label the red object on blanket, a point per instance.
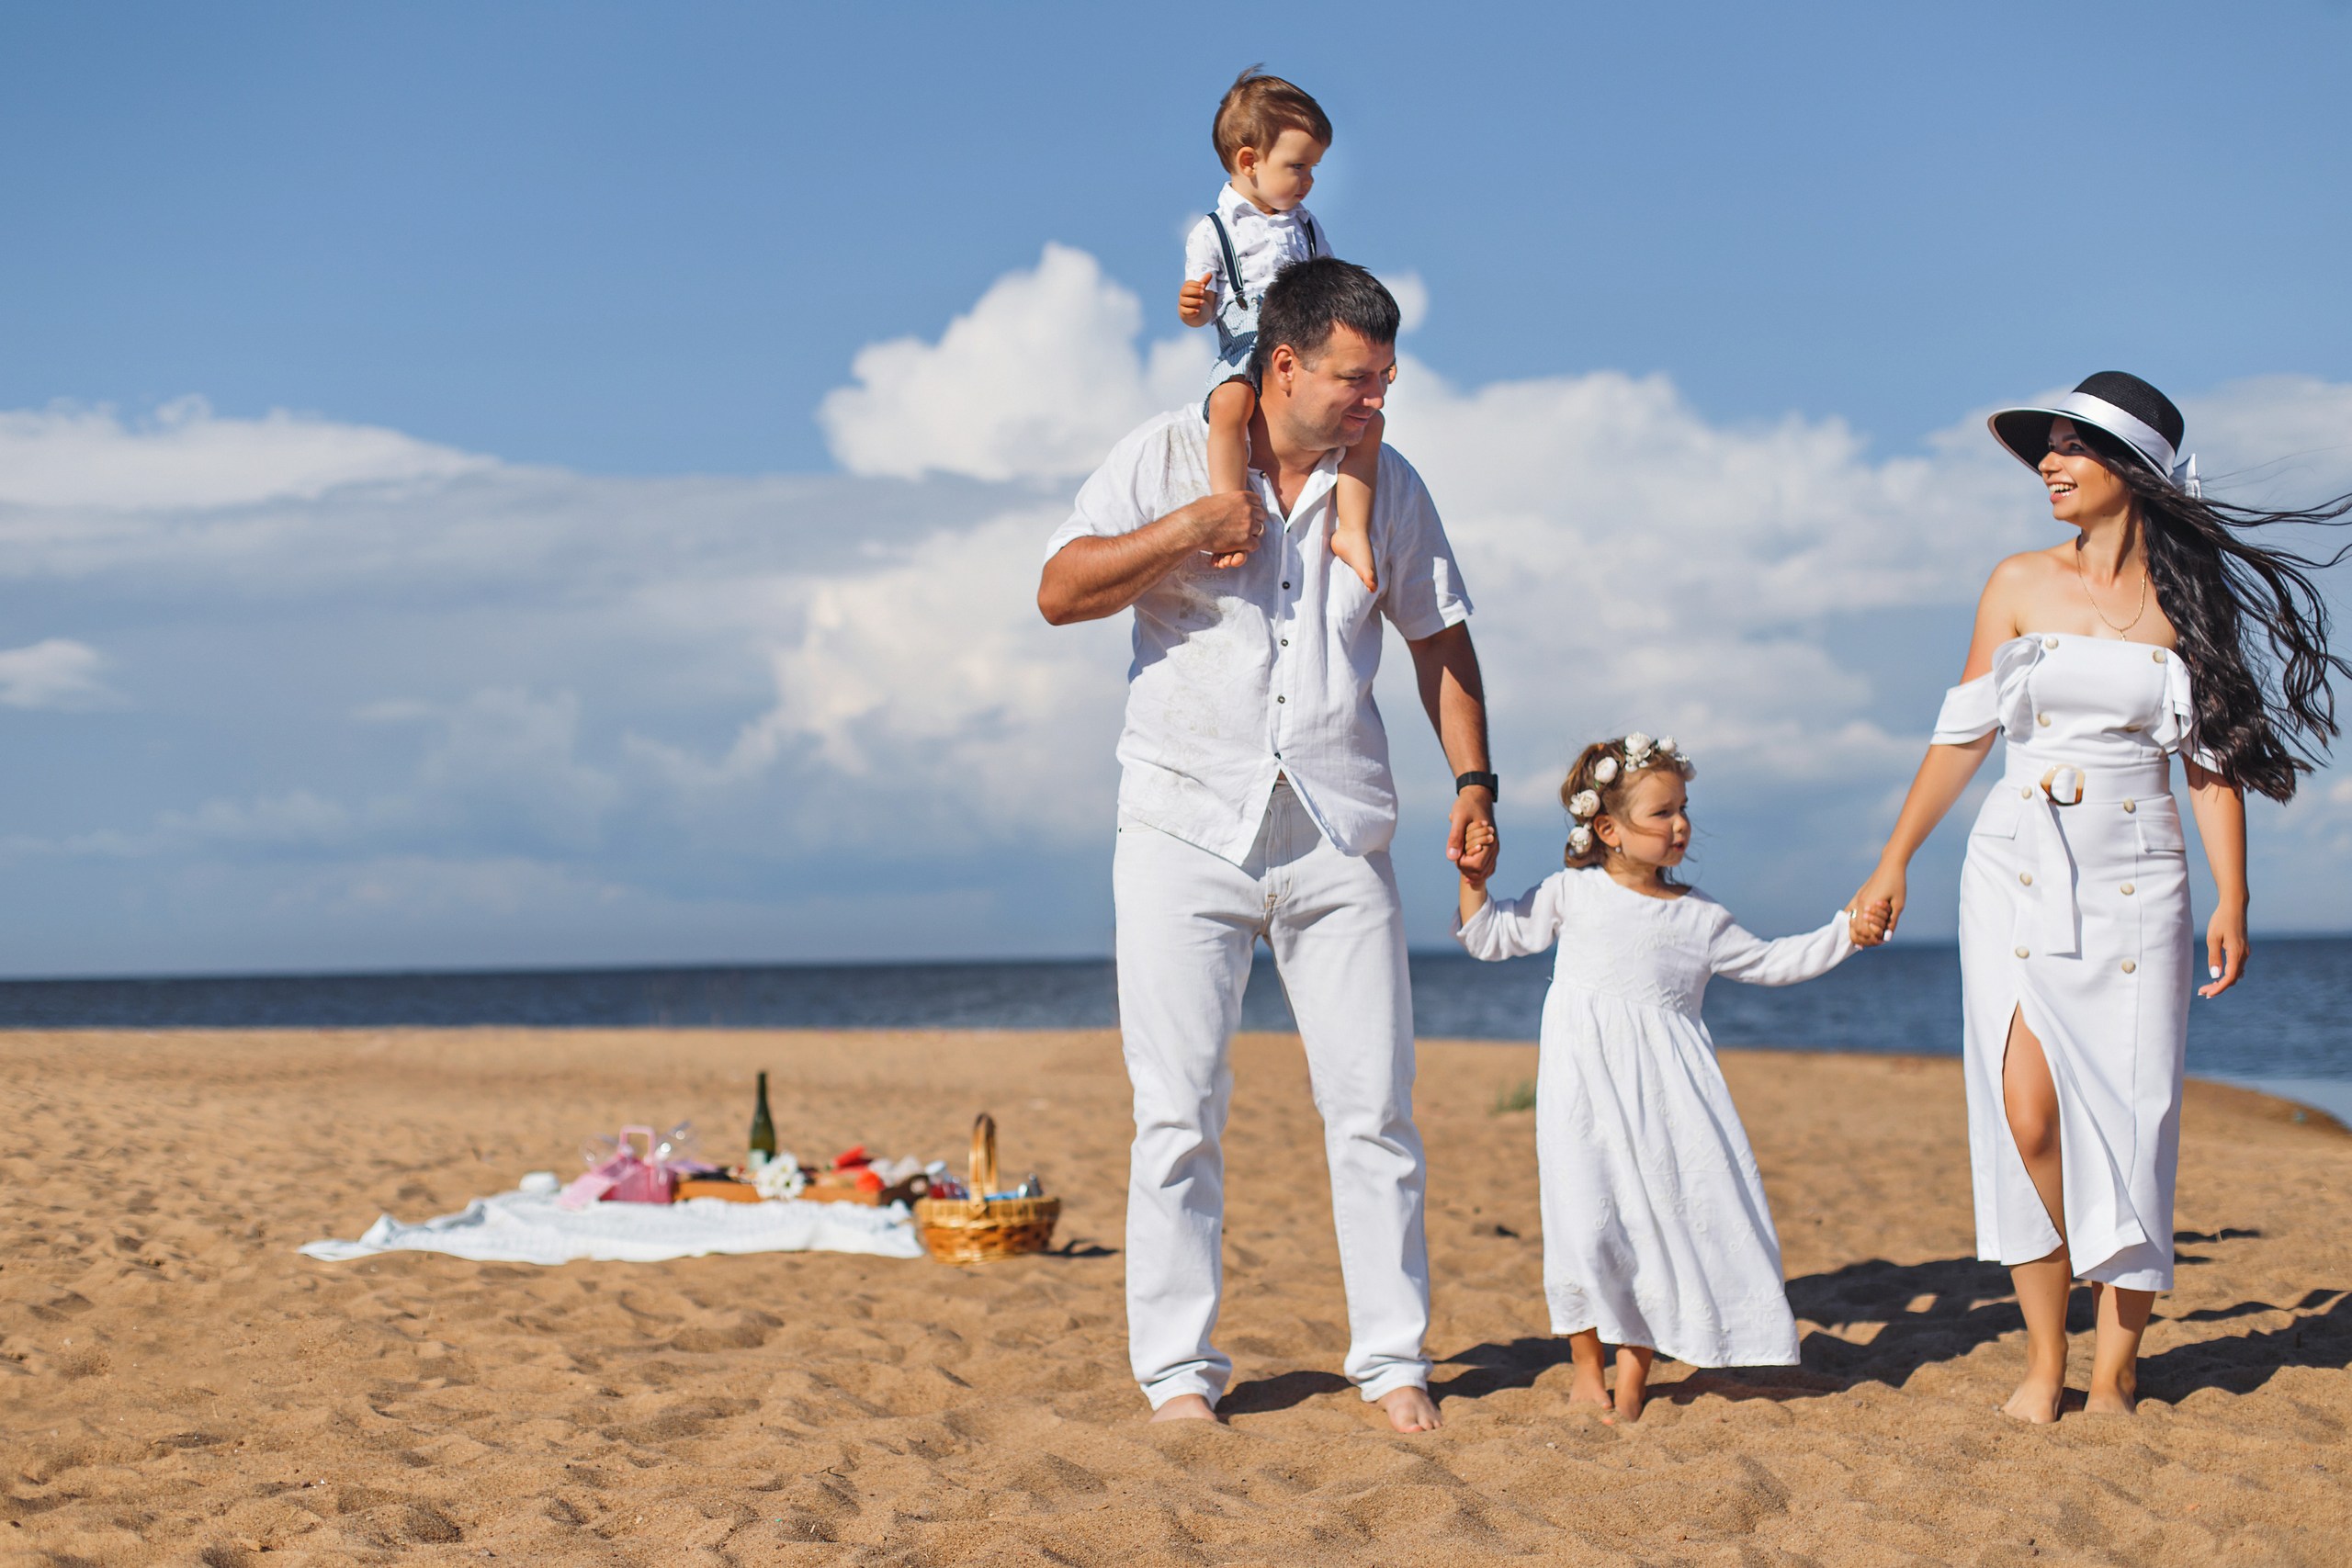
(852, 1158)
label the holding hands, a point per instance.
(1877, 905)
(1871, 922)
(1474, 856)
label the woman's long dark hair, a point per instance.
(2266, 715)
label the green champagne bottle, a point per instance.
(763, 1141)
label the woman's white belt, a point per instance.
(2049, 918)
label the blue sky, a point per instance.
(646, 238)
(505, 598)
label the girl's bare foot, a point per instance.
(1410, 1410)
(1589, 1383)
(2118, 1395)
(1633, 1379)
(2036, 1402)
(1187, 1407)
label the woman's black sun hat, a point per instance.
(2125, 406)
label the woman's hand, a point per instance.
(1866, 923)
(2225, 949)
(1883, 893)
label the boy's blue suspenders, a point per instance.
(1315, 246)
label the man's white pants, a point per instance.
(1187, 924)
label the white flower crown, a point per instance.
(1640, 751)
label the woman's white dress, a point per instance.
(1656, 1230)
(2076, 914)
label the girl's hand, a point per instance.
(2225, 949)
(1878, 902)
(1194, 303)
(1477, 862)
(1868, 923)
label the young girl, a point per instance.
(1655, 1233)
(1269, 135)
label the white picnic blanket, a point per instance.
(522, 1227)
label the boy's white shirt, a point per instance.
(1263, 244)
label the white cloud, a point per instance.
(188, 457)
(54, 674)
(1412, 297)
(521, 691)
(1036, 380)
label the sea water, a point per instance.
(2287, 1021)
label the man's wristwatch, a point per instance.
(1485, 781)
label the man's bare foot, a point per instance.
(1410, 1410)
(2036, 1402)
(1187, 1407)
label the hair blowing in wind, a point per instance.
(2266, 713)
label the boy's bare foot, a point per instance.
(2036, 1402)
(1187, 1407)
(1410, 1410)
(1355, 547)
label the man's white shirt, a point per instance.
(1265, 668)
(1263, 244)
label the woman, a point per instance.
(2096, 660)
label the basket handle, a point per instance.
(984, 1156)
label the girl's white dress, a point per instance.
(1656, 1230)
(2074, 911)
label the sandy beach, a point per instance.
(179, 1386)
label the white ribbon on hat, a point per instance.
(2144, 438)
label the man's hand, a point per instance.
(1471, 841)
(1194, 302)
(1230, 525)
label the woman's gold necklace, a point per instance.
(2086, 581)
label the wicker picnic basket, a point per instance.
(980, 1229)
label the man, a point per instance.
(1255, 802)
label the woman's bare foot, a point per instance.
(1410, 1410)
(1633, 1379)
(1187, 1407)
(2036, 1402)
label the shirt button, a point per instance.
(2128, 890)
(1285, 642)
(2042, 719)
(1285, 585)
(2049, 642)
(2129, 966)
(2023, 954)
(2129, 806)
(1281, 699)
(2026, 878)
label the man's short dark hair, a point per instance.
(1307, 298)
